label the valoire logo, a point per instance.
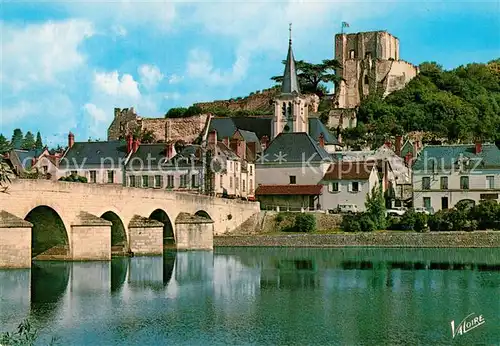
(467, 324)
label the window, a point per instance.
(111, 177)
(490, 182)
(221, 181)
(444, 183)
(293, 179)
(250, 185)
(93, 176)
(243, 186)
(145, 181)
(230, 182)
(427, 202)
(333, 187)
(131, 181)
(230, 165)
(355, 186)
(170, 181)
(45, 169)
(426, 183)
(251, 169)
(74, 173)
(194, 180)
(183, 180)
(158, 181)
(444, 202)
(464, 183)
(237, 182)
(367, 80)
(351, 54)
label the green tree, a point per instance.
(38, 143)
(5, 175)
(17, 139)
(375, 207)
(177, 112)
(4, 145)
(193, 110)
(305, 222)
(28, 141)
(312, 76)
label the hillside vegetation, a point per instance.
(462, 104)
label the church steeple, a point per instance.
(290, 81)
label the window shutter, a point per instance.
(349, 187)
(151, 181)
(330, 187)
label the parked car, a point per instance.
(422, 210)
(396, 211)
(347, 208)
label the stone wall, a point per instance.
(91, 242)
(15, 247)
(194, 233)
(262, 101)
(186, 129)
(146, 236)
(156, 126)
(478, 239)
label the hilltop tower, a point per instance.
(291, 106)
(370, 63)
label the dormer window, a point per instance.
(351, 54)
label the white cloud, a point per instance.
(112, 84)
(200, 66)
(172, 96)
(150, 75)
(41, 53)
(97, 114)
(174, 79)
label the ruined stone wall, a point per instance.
(394, 75)
(155, 125)
(262, 101)
(125, 120)
(186, 129)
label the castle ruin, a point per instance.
(370, 63)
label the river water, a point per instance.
(260, 296)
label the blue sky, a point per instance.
(67, 64)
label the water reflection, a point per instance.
(259, 296)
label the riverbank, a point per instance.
(477, 239)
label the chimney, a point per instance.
(212, 137)
(479, 147)
(252, 148)
(388, 144)
(264, 141)
(409, 159)
(130, 142)
(71, 140)
(169, 153)
(399, 144)
(321, 140)
(241, 149)
(136, 144)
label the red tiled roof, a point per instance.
(288, 190)
(349, 170)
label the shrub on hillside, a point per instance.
(305, 222)
(412, 221)
(362, 222)
(74, 178)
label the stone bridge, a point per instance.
(77, 221)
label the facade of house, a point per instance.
(348, 183)
(288, 170)
(212, 169)
(99, 162)
(444, 175)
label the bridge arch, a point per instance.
(49, 235)
(118, 231)
(168, 228)
(204, 214)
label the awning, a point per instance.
(310, 190)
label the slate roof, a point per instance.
(26, 156)
(154, 153)
(316, 127)
(249, 136)
(225, 127)
(91, 154)
(313, 190)
(353, 170)
(294, 147)
(447, 157)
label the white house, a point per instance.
(348, 182)
(99, 162)
(446, 174)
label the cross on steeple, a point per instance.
(290, 81)
(290, 32)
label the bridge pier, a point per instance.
(90, 238)
(15, 241)
(194, 232)
(145, 236)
